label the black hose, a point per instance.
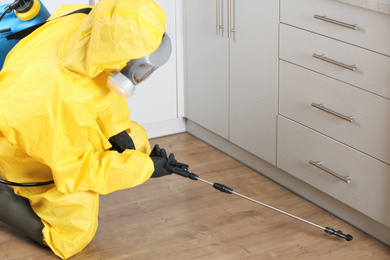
(36, 184)
(2, 15)
(9, 8)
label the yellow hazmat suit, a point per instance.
(57, 114)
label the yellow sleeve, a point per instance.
(79, 164)
(103, 172)
(59, 134)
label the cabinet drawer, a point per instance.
(369, 187)
(301, 90)
(372, 69)
(372, 28)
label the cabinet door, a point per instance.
(253, 76)
(207, 65)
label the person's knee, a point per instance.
(66, 244)
(70, 220)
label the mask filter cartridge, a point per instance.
(120, 84)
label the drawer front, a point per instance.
(372, 69)
(372, 28)
(301, 91)
(369, 187)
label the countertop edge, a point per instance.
(381, 6)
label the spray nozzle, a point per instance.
(338, 233)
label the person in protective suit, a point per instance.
(59, 120)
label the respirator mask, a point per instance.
(136, 71)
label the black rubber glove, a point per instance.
(121, 142)
(164, 165)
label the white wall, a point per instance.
(155, 99)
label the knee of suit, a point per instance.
(70, 220)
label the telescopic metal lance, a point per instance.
(185, 173)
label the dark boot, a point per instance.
(16, 211)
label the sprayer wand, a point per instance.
(183, 171)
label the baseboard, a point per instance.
(164, 128)
(302, 189)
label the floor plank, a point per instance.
(177, 218)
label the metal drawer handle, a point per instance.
(217, 15)
(322, 57)
(323, 108)
(329, 20)
(219, 26)
(230, 14)
(346, 179)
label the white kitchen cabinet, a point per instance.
(363, 68)
(358, 27)
(207, 67)
(359, 180)
(334, 90)
(232, 76)
(253, 77)
(351, 115)
(335, 154)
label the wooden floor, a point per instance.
(177, 218)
